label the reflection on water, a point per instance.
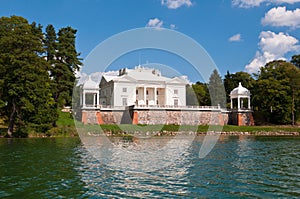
(237, 167)
(137, 154)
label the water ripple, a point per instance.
(238, 167)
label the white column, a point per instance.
(80, 94)
(94, 99)
(97, 99)
(155, 95)
(249, 107)
(145, 88)
(166, 94)
(239, 103)
(242, 103)
(83, 99)
(231, 103)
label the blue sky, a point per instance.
(239, 35)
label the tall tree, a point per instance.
(24, 74)
(217, 90)
(50, 43)
(275, 91)
(65, 62)
(293, 74)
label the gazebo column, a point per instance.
(155, 96)
(242, 103)
(231, 103)
(145, 93)
(249, 107)
(239, 103)
(83, 99)
(97, 99)
(80, 97)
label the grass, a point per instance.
(65, 119)
(130, 128)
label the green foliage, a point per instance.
(63, 57)
(275, 90)
(197, 95)
(27, 93)
(296, 60)
(24, 74)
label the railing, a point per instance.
(109, 107)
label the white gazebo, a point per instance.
(91, 88)
(240, 93)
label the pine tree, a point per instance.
(216, 90)
(65, 62)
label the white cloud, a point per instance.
(235, 38)
(255, 3)
(272, 46)
(172, 26)
(282, 17)
(174, 4)
(155, 23)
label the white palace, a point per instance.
(129, 96)
(139, 86)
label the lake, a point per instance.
(237, 167)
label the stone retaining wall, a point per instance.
(181, 117)
(154, 117)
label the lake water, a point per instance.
(237, 167)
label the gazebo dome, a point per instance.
(90, 84)
(239, 91)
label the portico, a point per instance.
(150, 95)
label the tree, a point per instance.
(216, 90)
(296, 60)
(275, 90)
(293, 74)
(50, 43)
(25, 82)
(64, 61)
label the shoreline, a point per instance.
(160, 134)
(113, 130)
(171, 134)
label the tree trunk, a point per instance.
(11, 120)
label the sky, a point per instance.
(239, 35)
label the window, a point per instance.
(124, 90)
(146, 92)
(175, 102)
(137, 92)
(175, 91)
(156, 92)
(124, 100)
